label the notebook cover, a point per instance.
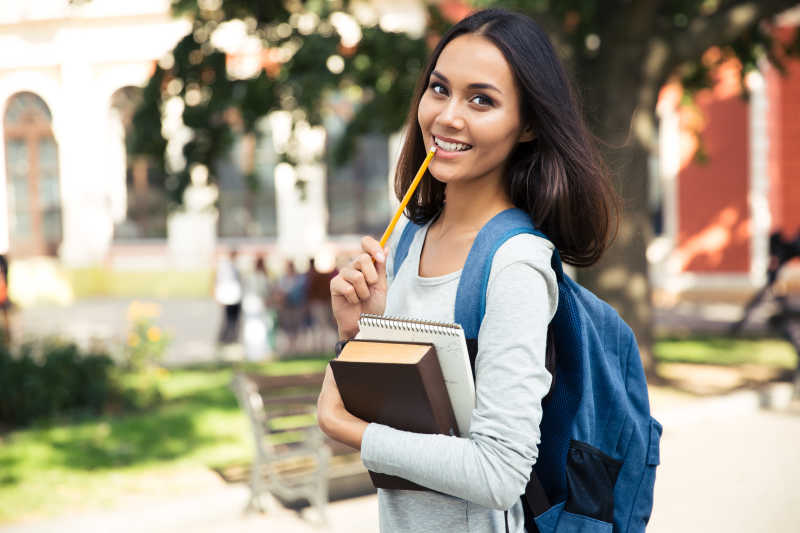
(409, 397)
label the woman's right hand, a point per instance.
(360, 287)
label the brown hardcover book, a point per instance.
(397, 384)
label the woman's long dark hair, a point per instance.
(559, 177)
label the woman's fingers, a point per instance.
(369, 268)
(364, 263)
(378, 254)
(342, 287)
(356, 279)
(373, 248)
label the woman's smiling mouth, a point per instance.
(451, 146)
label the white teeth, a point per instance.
(451, 147)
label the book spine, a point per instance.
(386, 481)
(430, 372)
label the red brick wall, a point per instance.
(787, 187)
(775, 147)
(713, 214)
(784, 141)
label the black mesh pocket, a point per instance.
(591, 476)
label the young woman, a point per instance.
(495, 101)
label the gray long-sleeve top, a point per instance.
(479, 476)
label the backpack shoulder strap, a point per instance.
(406, 238)
(471, 306)
(471, 295)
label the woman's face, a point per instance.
(471, 111)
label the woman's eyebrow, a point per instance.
(470, 86)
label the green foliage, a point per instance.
(387, 89)
(51, 379)
(54, 379)
(147, 118)
(383, 67)
(601, 41)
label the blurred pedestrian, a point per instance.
(228, 293)
(323, 326)
(293, 309)
(257, 322)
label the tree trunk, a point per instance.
(621, 276)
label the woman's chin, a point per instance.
(445, 175)
(444, 178)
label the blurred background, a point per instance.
(179, 180)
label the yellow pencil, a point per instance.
(407, 197)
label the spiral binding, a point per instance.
(408, 324)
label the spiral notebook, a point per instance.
(451, 351)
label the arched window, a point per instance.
(34, 195)
(146, 197)
(246, 179)
(358, 191)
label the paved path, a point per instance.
(729, 472)
(193, 324)
(218, 510)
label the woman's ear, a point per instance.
(527, 134)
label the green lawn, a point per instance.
(726, 351)
(48, 470)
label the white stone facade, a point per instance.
(74, 57)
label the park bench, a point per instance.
(293, 459)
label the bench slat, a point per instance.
(264, 382)
(310, 399)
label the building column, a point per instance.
(758, 200)
(660, 253)
(87, 217)
(301, 214)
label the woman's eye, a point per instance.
(438, 88)
(483, 100)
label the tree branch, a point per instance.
(722, 27)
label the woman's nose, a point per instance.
(451, 116)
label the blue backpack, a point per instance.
(599, 445)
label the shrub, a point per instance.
(54, 378)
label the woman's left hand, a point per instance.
(334, 419)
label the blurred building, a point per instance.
(68, 188)
(69, 73)
(727, 176)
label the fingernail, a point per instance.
(380, 257)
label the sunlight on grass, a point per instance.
(96, 281)
(726, 351)
(47, 470)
